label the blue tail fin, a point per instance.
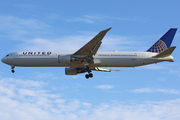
(164, 42)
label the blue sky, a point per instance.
(148, 92)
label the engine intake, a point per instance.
(71, 71)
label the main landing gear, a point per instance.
(89, 75)
(12, 67)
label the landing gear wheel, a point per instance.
(12, 71)
(87, 76)
(90, 75)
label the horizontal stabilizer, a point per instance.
(165, 53)
(170, 60)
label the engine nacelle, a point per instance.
(66, 59)
(71, 71)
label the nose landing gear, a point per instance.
(12, 67)
(12, 71)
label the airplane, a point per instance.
(88, 59)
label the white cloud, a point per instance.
(135, 19)
(65, 43)
(104, 87)
(62, 44)
(20, 28)
(114, 42)
(29, 32)
(142, 90)
(11, 23)
(92, 19)
(10, 82)
(8, 91)
(152, 90)
(46, 76)
(34, 102)
(98, 18)
(165, 110)
(87, 104)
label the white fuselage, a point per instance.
(101, 59)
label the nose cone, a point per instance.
(3, 60)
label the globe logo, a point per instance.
(158, 47)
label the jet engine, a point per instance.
(66, 59)
(71, 71)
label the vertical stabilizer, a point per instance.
(164, 42)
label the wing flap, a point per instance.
(103, 69)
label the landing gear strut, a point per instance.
(12, 67)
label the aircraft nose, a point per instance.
(3, 60)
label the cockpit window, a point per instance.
(7, 55)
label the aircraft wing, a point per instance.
(92, 46)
